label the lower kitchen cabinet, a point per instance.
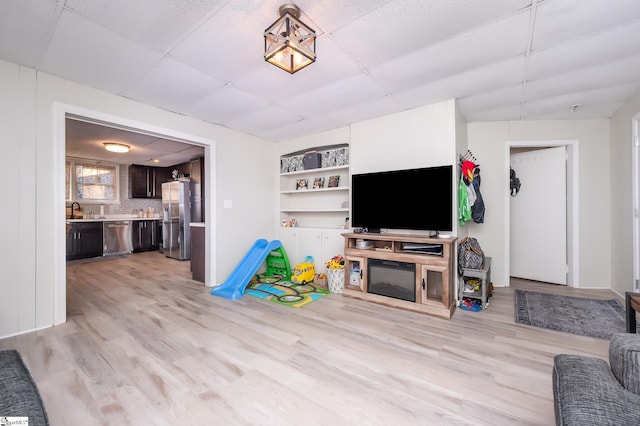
(145, 235)
(84, 239)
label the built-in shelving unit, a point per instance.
(321, 206)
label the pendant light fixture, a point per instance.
(289, 43)
(116, 147)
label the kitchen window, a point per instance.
(91, 181)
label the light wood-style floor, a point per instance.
(146, 345)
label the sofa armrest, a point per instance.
(624, 357)
(587, 393)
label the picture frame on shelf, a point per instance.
(302, 184)
(334, 181)
(318, 183)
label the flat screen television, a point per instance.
(413, 199)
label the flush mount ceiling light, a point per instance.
(289, 43)
(116, 147)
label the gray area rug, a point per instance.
(586, 317)
(19, 395)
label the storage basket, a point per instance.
(336, 280)
(321, 280)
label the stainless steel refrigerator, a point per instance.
(176, 210)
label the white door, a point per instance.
(538, 245)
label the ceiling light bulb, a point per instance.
(116, 147)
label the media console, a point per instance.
(403, 271)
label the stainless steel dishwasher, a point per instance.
(117, 237)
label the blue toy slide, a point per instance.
(235, 284)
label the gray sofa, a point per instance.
(590, 391)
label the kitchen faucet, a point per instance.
(72, 214)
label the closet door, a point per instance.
(539, 216)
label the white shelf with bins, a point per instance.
(315, 208)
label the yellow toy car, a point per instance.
(304, 272)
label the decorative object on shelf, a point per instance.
(175, 174)
(312, 160)
(285, 163)
(301, 184)
(318, 183)
(334, 181)
(342, 156)
(289, 43)
(296, 163)
(291, 223)
(329, 158)
(336, 262)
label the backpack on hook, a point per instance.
(514, 184)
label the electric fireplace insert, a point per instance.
(392, 279)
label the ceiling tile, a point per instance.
(504, 74)
(488, 101)
(263, 119)
(343, 93)
(86, 53)
(600, 48)
(403, 26)
(229, 43)
(505, 113)
(155, 23)
(463, 52)
(25, 28)
(558, 21)
(224, 105)
(585, 79)
(172, 85)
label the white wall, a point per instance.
(621, 196)
(488, 142)
(28, 136)
(420, 137)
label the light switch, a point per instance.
(228, 204)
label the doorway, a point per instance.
(572, 219)
(64, 111)
(636, 202)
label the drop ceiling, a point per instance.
(501, 59)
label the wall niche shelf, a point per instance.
(311, 206)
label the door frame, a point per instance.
(635, 171)
(573, 225)
(61, 111)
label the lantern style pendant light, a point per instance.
(289, 43)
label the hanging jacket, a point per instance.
(464, 209)
(477, 210)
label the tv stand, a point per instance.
(434, 267)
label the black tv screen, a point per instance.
(413, 199)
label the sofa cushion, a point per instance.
(624, 357)
(586, 393)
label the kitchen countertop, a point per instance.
(197, 224)
(114, 217)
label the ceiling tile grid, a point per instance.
(502, 59)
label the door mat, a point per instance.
(278, 290)
(586, 317)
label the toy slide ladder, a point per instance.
(236, 283)
(278, 264)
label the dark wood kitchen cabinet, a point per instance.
(84, 239)
(146, 181)
(145, 235)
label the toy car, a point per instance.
(304, 272)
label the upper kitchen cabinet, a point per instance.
(194, 170)
(146, 181)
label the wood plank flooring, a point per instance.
(146, 345)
